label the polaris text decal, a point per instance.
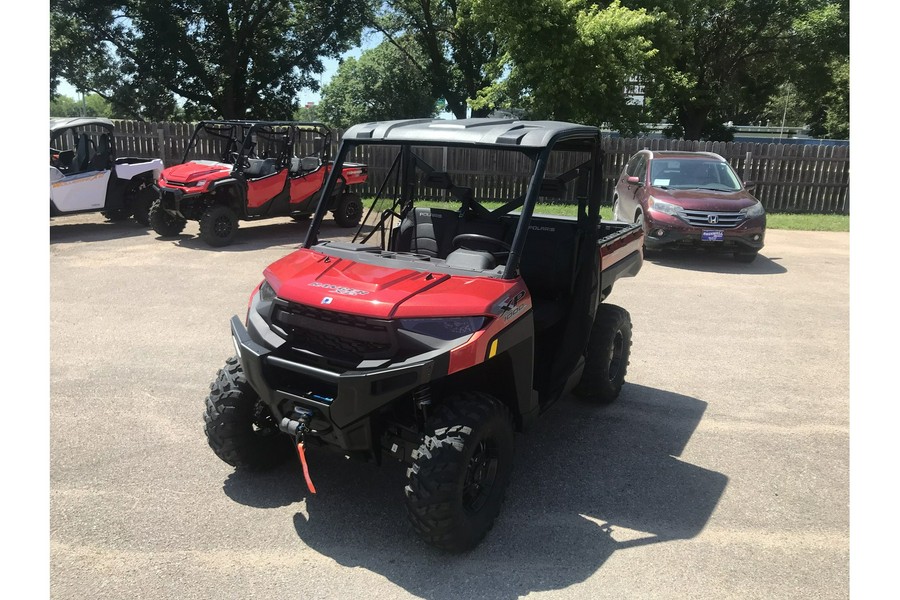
(344, 291)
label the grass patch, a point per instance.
(797, 222)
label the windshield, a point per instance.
(693, 173)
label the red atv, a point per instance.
(259, 175)
(442, 331)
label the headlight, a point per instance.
(449, 328)
(266, 292)
(663, 207)
(756, 210)
(200, 183)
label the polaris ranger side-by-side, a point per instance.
(87, 176)
(439, 332)
(259, 175)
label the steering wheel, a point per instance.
(477, 237)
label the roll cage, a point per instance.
(410, 173)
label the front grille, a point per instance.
(178, 183)
(333, 334)
(708, 220)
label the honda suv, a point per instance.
(691, 199)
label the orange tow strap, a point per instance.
(309, 483)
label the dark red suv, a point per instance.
(690, 199)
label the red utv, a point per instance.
(261, 173)
(434, 336)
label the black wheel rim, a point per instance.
(481, 475)
(222, 227)
(351, 210)
(615, 360)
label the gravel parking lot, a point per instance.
(721, 472)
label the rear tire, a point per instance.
(608, 354)
(218, 225)
(141, 199)
(348, 210)
(163, 223)
(460, 472)
(239, 427)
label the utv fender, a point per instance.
(131, 170)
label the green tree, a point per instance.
(727, 60)
(383, 84)
(568, 59)
(443, 39)
(93, 105)
(247, 58)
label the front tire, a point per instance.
(460, 472)
(608, 355)
(218, 225)
(239, 427)
(163, 223)
(348, 211)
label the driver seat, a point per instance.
(428, 231)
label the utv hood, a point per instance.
(197, 170)
(386, 292)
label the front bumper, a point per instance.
(663, 230)
(342, 403)
(177, 202)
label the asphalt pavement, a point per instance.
(721, 471)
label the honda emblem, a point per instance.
(327, 300)
(713, 219)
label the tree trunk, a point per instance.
(693, 119)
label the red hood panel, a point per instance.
(342, 285)
(193, 171)
(706, 199)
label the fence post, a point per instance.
(745, 175)
(162, 144)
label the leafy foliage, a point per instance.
(240, 59)
(568, 59)
(92, 105)
(446, 42)
(383, 84)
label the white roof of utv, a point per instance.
(66, 122)
(495, 132)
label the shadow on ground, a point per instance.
(714, 262)
(62, 233)
(588, 481)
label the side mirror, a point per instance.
(633, 180)
(749, 185)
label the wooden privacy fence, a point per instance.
(794, 178)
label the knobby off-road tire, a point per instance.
(163, 223)
(608, 353)
(348, 210)
(218, 225)
(141, 198)
(460, 472)
(239, 427)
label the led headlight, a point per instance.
(266, 292)
(449, 328)
(756, 210)
(663, 207)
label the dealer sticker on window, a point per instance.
(712, 235)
